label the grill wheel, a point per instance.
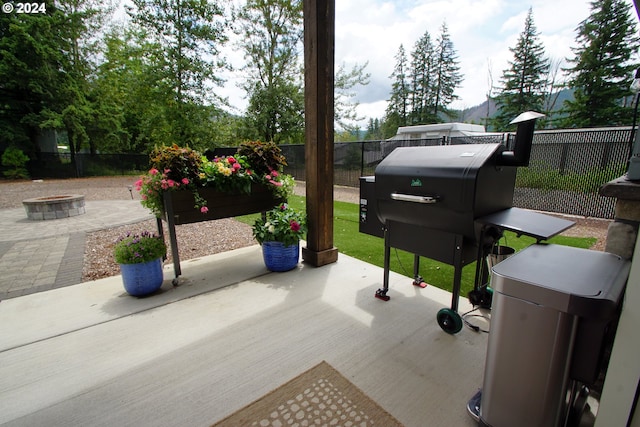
(449, 320)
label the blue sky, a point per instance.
(482, 32)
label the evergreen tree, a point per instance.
(189, 34)
(525, 82)
(345, 81)
(398, 108)
(271, 39)
(447, 74)
(46, 70)
(602, 69)
(422, 81)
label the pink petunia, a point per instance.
(154, 171)
(236, 166)
(274, 173)
(231, 160)
(185, 181)
(267, 177)
(295, 225)
(204, 209)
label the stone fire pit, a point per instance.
(54, 207)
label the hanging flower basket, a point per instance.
(278, 257)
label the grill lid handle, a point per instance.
(414, 199)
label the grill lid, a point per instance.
(443, 187)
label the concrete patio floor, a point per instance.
(188, 356)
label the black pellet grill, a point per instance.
(452, 204)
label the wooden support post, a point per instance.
(319, 40)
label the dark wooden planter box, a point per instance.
(179, 208)
(220, 204)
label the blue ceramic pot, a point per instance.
(143, 278)
(278, 257)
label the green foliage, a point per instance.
(422, 88)
(271, 35)
(345, 80)
(524, 82)
(603, 66)
(139, 248)
(281, 224)
(15, 161)
(547, 178)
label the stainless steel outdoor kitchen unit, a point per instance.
(553, 317)
(452, 204)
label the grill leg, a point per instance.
(457, 273)
(382, 293)
(417, 278)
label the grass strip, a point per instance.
(349, 241)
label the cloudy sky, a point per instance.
(482, 32)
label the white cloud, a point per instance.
(482, 32)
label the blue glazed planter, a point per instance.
(278, 257)
(142, 279)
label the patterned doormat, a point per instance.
(320, 396)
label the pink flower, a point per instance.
(236, 166)
(185, 181)
(295, 226)
(171, 183)
(154, 171)
(268, 177)
(274, 173)
(167, 171)
(204, 209)
(138, 184)
(276, 183)
(231, 160)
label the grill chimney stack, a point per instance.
(524, 137)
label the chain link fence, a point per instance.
(566, 170)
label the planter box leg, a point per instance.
(168, 208)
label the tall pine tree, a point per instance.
(602, 68)
(190, 34)
(525, 81)
(447, 74)
(398, 108)
(422, 81)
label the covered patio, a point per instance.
(91, 355)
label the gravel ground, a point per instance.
(195, 240)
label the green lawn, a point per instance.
(367, 248)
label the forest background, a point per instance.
(67, 68)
